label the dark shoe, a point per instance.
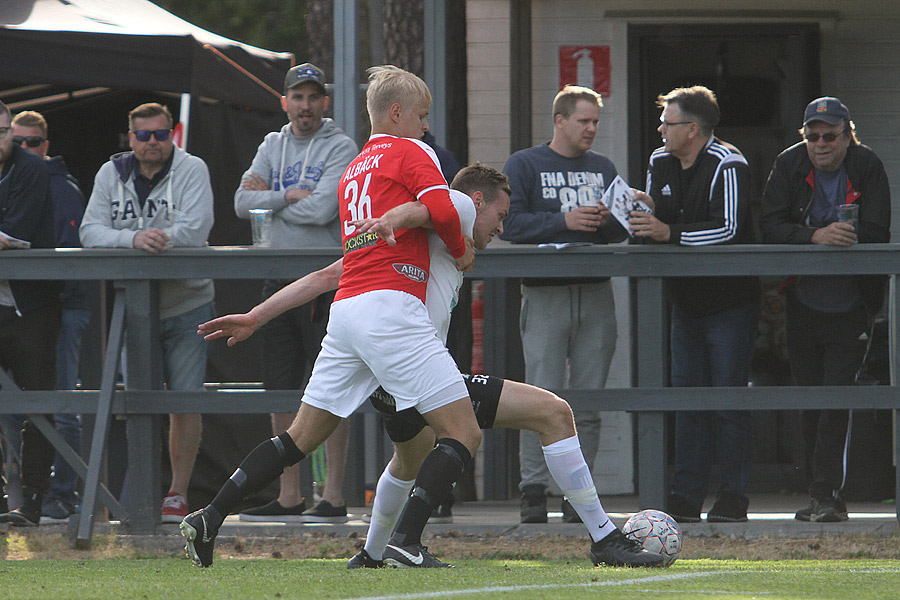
(325, 512)
(200, 537)
(681, 510)
(57, 510)
(569, 513)
(804, 514)
(21, 517)
(413, 556)
(444, 512)
(729, 508)
(273, 512)
(534, 504)
(616, 550)
(824, 510)
(362, 560)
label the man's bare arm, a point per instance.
(238, 328)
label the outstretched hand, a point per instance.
(236, 328)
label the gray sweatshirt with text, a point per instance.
(316, 163)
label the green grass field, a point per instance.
(169, 578)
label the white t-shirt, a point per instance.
(444, 279)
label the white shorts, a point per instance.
(382, 337)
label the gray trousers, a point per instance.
(568, 337)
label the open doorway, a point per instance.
(763, 76)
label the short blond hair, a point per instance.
(31, 118)
(389, 84)
(565, 101)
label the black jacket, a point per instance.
(788, 196)
(714, 209)
(26, 213)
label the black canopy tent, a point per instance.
(133, 44)
(84, 64)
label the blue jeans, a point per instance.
(184, 352)
(713, 350)
(68, 348)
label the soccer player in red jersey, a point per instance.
(379, 331)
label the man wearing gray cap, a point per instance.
(828, 317)
(295, 174)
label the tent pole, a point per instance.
(184, 117)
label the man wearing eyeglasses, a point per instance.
(828, 317)
(700, 189)
(153, 198)
(29, 130)
(29, 310)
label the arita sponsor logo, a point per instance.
(411, 271)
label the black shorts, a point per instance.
(484, 391)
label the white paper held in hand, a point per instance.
(619, 199)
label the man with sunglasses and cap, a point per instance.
(153, 198)
(828, 317)
(295, 174)
(29, 130)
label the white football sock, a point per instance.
(571, 473)
(390, 498)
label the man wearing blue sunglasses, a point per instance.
(153, 198)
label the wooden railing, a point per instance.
(136, 304)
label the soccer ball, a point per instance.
(655, 531)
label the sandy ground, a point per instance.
(45, 543)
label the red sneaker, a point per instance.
(174, 508)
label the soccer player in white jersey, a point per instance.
(496, 402)
(379, 331)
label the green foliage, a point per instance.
(492, 579)
(271, 24)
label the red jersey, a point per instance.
(390, 171)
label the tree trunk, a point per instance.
(404, 34)
(320, 33)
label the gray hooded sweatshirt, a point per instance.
(181, 204)
(314, 163)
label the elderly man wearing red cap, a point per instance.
(828, 317)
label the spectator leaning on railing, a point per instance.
(153, 198)
(29, 310)
(828, 317)
(700, 186)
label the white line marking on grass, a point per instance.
(519, 588)
(708, 592)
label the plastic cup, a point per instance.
(261, 225)
(848, 213)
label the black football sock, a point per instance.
(436, 478)
(262, 466)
